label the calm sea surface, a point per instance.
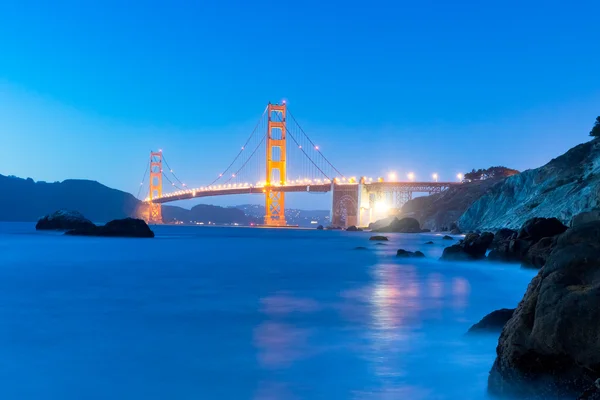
(243, 313)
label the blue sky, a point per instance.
(430, 86)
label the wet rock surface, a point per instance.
(404, 225)
(409, 254)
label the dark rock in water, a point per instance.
(446, 237)
(360, 248)
(472, 247)
(493, 322)
(585, 217)
(409, 254)
(404, 225)
(591, 393)
(64, 220)
(430, 242)
(128, 227)
(550, 348)
(380, 244)
(353, 228)
(538, 228)
(320, 228)
(379, 238)
(425, 230)
(455, 253)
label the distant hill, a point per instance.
(25, 200)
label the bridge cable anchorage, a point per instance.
(242, 149)
(303, 151)
(143, 180)
(314, 146)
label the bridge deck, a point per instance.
(426, 187)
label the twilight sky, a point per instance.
(88, 88)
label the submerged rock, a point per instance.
(320, 228)
(128, 227)
(430, 242)
(550, 348)
(360, 248)
(404, 225)
(446, 237)
(409, 254)
(493, 322)
(379, 238)
(64, 220)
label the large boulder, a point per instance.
(493, 322)
(63, 220)
(128, 227)
(537, 255)
(379, 238)
(353, 228)
(404, 225)
(550, 348)
(472, 247)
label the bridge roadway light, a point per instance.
(435, 177)
(460, 177)
(392, 176)
(411, 176)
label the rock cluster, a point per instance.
(531, 245)
(409, 254)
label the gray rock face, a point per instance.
(404, 225)
(493, 322)
(64, 220)
(585, 217)
(551, 346)
(564, 187)
(128, 227)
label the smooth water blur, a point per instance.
(243, 313)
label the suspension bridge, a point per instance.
(278, 158)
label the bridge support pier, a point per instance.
(345, 207)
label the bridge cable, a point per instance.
(314, 146)
(242, 149)
(246, 162)
(302, 149)
(143, 180)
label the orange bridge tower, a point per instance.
(276, 163)
(154, 209)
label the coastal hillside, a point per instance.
(566, 186)
(24, 200)
(440, 211)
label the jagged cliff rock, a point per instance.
(440, 211)
(566, 186)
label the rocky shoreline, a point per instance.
(75, 224)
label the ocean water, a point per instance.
(243, 313)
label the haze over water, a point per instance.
(239, 313)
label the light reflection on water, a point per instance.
(221, 313)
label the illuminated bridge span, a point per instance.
(294, 165)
